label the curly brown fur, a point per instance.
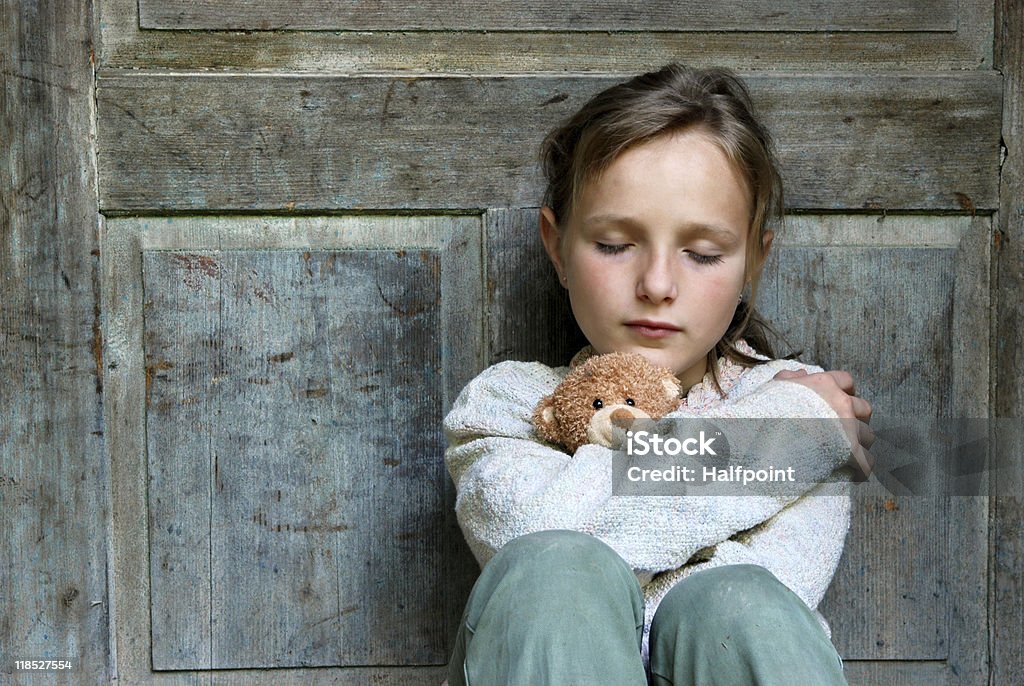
(627, 386)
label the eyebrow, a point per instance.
(701, 228)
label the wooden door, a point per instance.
(255, 249)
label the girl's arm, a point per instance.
(510, 484)
(801, 544)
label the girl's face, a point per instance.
(654, 253)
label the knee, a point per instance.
(729, 597)
(737, 587)
(741, 615)
(562, 571)
(561, 561)
(559, 549)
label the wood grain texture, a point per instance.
(219, 294)
(296, 500)
(889, 673)
(880, 142)
(888, 599)
(53, 475)
(518, 15)
(125, 45)
(820, 278)
(1007, 592)
(529, 313)
(886, 313)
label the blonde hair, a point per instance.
(671, 99)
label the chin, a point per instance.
(656, 357)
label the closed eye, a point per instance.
(611, 249)
(704, 259)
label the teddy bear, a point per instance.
(602, 395)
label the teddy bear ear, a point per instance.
(544, 419)
(672, 387)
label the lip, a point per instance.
(650, 328)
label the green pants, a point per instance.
(561, 607)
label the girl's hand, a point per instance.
(836, 388)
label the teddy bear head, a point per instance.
(604, 393)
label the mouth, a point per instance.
(650, 328)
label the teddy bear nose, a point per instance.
(622, 418)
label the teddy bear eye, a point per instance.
(598, 404)
(630, 402)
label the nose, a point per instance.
(657, 282)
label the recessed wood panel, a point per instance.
(290, 143)
(280, 493)
(517, 15)
(530, 317)
(902, 307)
(290, 475)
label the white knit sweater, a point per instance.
(510, 483)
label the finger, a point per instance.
(869, 460)
(863, 462)
(861, 408)
(865, 436)
(843, 379)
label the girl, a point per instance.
(660, 195)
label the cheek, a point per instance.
(719, 295)
(723, 285)
(581, 259)
(592, 273)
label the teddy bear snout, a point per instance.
(622, 418)
(608, 426)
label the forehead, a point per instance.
(684, 177)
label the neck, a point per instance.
(693, 376)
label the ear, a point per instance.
(753, 270)
(544, 420)
(552, 239)
(766, 246)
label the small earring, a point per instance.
(565, 279)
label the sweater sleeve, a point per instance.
(801, 544)
(509, 483)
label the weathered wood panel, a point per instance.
(922, 353)
(247, 330)
(888, 673)
(529, 313)
(53, 476)
(882, 310)
(910, 142)
(1007, 628)
(296, 501)
(519, 15)
(902, 305)
(125, 45)
(895, 573)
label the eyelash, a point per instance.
(610, 249)
(696, 257)
(706, 259)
